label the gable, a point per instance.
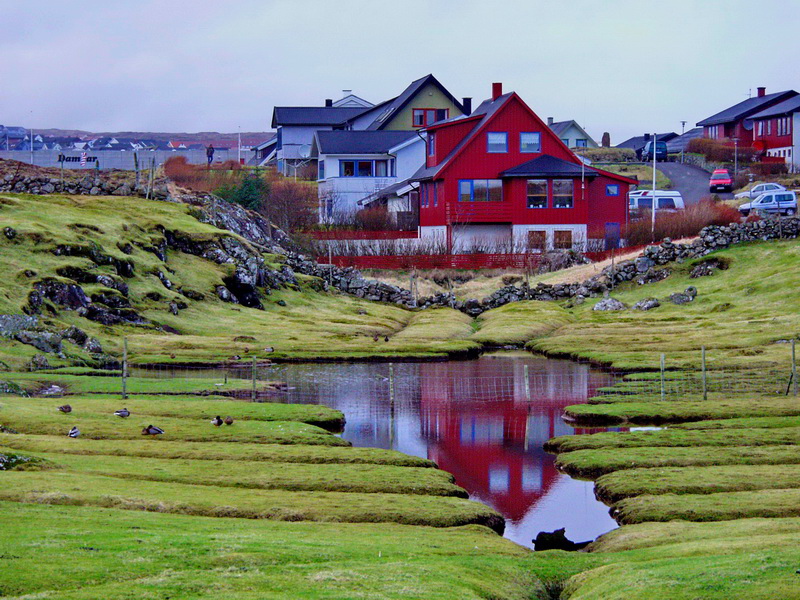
(513, 117)
(429, 96)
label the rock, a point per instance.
(644, 264)
(679, 298)
(225, 294)
(556, 540)
(65, 295)
(609, 304)
(647, 304)
(39, 361)
(92, 346)
(75, 335)
(9, 232)
(191, 294)
(10, 325)
(45, 341)
(281, 303)
(123, 190)
(95, 191)
(691, 291)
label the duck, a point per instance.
(269, 349)
(228, 420)
(375, 338)
(386, 338)
(66, 408)
(152, 430)
(235, 357)
(124, 413)
(74, 432)
(216, 421)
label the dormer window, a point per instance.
(497, 142)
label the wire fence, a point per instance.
(540, 382)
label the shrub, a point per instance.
(685, 223)
(614, 155)
(764, 169)
(201, 178)
(374, 219)
(721, 150)
(291, 205)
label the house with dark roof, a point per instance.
(422, 103)
(636, 143)
(736, 121)
(680, 143)
(572, 134)
(501, 178)
(354, 165)
(777, 131)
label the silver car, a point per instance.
(780, 203)
(761, 188)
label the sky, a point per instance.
(620, 66)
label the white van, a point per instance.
(667, 200)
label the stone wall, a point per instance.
(84, 185)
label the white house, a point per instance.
(572, 134)
(355, 165)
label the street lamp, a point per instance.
(735, 157)
(653, 208)
(683, 142)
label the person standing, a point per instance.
(210, 154)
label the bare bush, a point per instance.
(685, 223)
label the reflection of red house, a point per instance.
(491, 439)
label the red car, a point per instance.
(721, 181)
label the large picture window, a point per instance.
(497, 142)
(530, 141)
(363, 168)
(537, 193)
(480, 190)
(563, 193)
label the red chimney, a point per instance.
(762, 91)
(497, 90)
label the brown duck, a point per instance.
(228, 420)
(65, 408)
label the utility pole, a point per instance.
(655, 200)
(240, 144)
(735, 157)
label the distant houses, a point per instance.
(572, 134)
(637, 142)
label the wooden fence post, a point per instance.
(527, 385)
(705, 381)
(124, 368)
(253, 391)
(794, 368)
(663, 390)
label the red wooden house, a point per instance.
(500, 179)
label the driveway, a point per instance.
(690, 181)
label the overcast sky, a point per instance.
(195, 65)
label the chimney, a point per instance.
(467, 104)
(328, 102)
(497, 90)
(646, 137)
(549, 121)
(762, 91)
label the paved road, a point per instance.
(690, 181)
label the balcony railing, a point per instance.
(483, 212)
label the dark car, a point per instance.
(661, 151)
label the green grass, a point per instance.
(213, 451)
(628, 410)
(519, 322)
(120, 554)
(695, 480)
(643, 172)
(96, 420)
(676, 437)
(709, 507)
(738, 315)
(82, 489)
(590, 464)
(292, 476)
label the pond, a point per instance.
(478, 420)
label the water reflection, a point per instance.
(483, 420)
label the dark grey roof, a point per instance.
(786, 107)
(638, 142)
(360, 142)
(746, 108)
(397, 104)
(549, 166)
(560, 126)
(314, 115)
(387, 192)
(679, 143)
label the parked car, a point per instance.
(761, 188)
(721, 181)
(661, 151)
(781, 203)
(667, 200)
